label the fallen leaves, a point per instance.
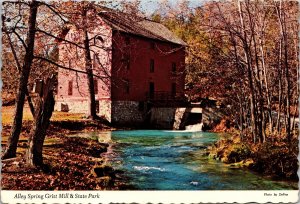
(67, 166)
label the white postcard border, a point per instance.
(105, 197)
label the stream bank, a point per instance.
(70, 163)
(78, 163)
(276, 160)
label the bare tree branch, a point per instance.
(67, 68)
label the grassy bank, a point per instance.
(8, 115)
(61, 122)
(276, 159)
(71, 163)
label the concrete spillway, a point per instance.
(176, 118)
(196, 127)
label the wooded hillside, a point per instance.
(244, 53)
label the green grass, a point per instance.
(8, 115)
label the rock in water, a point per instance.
(194, 183)
(103, 170)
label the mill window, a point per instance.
(173, 67)
(95, 86)
(95, 58)
(173, 91)
(151, 90)
(70, 88)
(98, 40)
(126, 86)
(151, 65)
(97, 106)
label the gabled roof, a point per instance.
(138, 26)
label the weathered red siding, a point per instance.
(73, 57)
(140, 51)
(72, 87)
(123, 61)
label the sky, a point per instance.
(149, 6)
(152, 5)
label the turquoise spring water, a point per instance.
(174, 160)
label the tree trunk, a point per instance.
(281, 17)
(287, 84)
(257, 79)
(288, 100)
(44, 109)
(249, 75)
(293, 129)
(241, 122)
(88, 67)
(29, 100)
(11, 149)
(242, 113)
(279, 88)
(266, 80)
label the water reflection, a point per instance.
(104, 137)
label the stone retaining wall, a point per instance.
(127, 113)
(162, 118)
(105, 109)
(135, 114)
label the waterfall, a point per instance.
(196, 127)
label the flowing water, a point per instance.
(174, 160)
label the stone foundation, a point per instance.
(135, 114)
(127, 113)
(105, 109)
(162, 118)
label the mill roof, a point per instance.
(138, 26)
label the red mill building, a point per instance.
(139, 64)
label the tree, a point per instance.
(35, 47)
(10, 151)
(131, 7)
(88, 62)
(44, 109)
(244, 53)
